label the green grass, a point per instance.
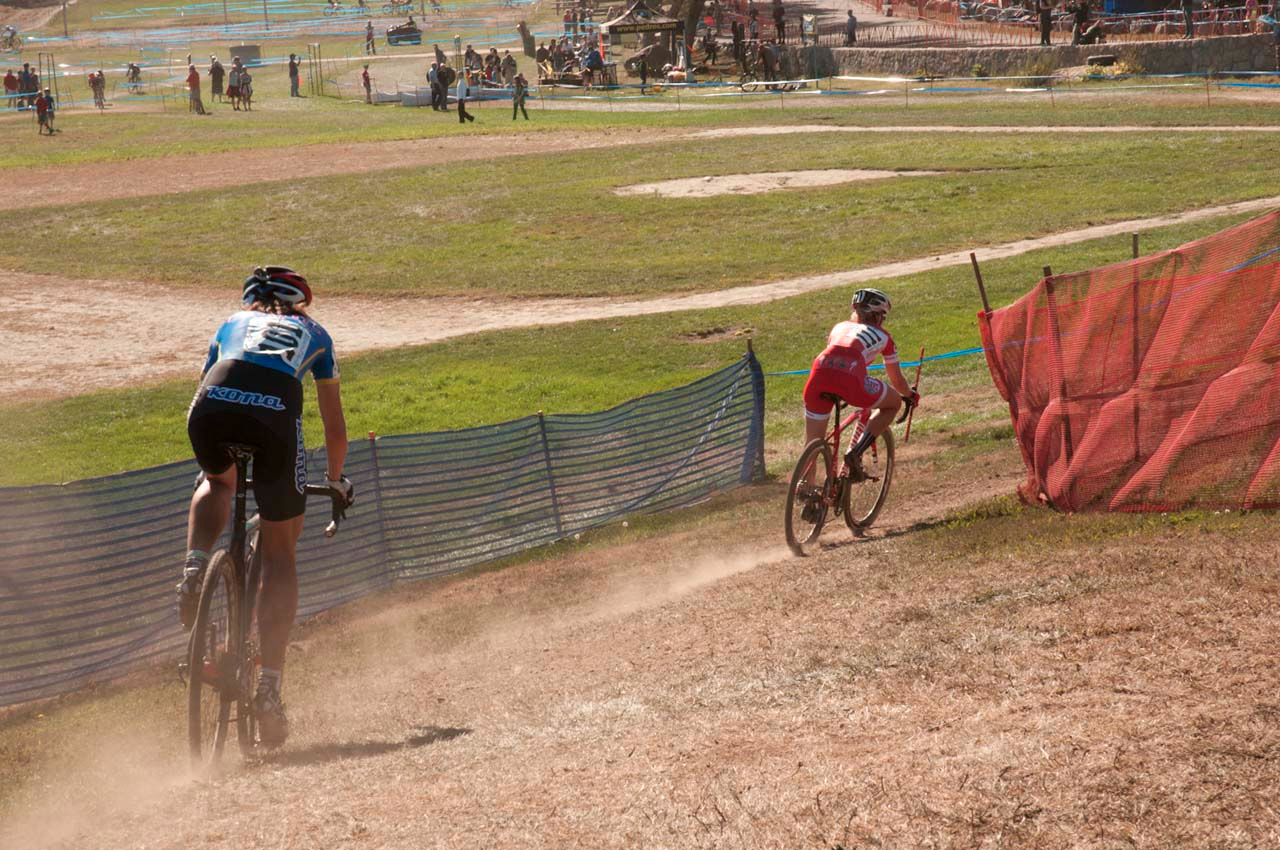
(551, 226)
(489, 378)
(280, 122)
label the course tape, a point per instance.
(964, 352)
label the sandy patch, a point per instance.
(754, 184)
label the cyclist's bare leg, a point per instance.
(881, 418)
(210, 509)
(278, 603)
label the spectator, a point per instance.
(368, 85)
(753, 26)
(369, 47)
(850, 30)
(26, 85)
(780, 21)
(543, 54)
(233, 83)
(433, 79)
(710, 47)
(447, 76)
(1188, 18)
(193, 87)
(508, 68)
(10, 88)
(1080, 13)
(44, 112)
(246, 89)
(293, 76)
(35, 89)
(735, 32)
(463, 115)
(1045, 10)
(520, 91)
(216, 75)
(98, 85)
(568, 22)
(643, 67)
(471, 59)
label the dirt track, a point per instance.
(56, 347)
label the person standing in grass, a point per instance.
(293, 76)
(246, 89)
(216, 76)
(368, 85)
(233, 83)
(10, 88)
(369, 46)
(44, 112)
(519, 92)
(433, 77)
(463, 115)
(193, 87)
(850, 30)
(1045, 10)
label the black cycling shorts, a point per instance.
(240, 402)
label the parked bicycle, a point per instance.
(222, 662)
(822, 481)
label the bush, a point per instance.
(980, 71)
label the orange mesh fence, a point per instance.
(1150, 385)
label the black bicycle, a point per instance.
(222, 662)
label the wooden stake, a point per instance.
(982, 290)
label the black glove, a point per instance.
(345, 488)
(908, 404)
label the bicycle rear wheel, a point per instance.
(250, 658)
(808, 497)
(861, 501)
(211, 663)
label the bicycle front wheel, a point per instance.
(212, 663)
(749, 83)
(862, 500)
(808, 497)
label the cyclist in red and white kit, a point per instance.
(841, 370)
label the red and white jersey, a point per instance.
(850, 340)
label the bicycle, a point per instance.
(12, 42)
(818, 485)
(222, 662)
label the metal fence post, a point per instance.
(753, 458)
(551, 478)
(377, 507)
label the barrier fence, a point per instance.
(88, 569)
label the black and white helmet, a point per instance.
(870, 301)
(278, 283)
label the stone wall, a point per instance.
(1220, 53)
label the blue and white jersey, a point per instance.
(293, 344)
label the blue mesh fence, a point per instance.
(87, 569)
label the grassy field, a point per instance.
(531, 226)
(279, 122)
(477, 380)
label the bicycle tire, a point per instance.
(211, 687)
(251, 661)
(862, 501)
(802, 532)
(749, 83)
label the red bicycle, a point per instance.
(822, 482)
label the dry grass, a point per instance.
(970, 677)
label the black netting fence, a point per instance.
(87, 569)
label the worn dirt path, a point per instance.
(57, 347)
(76, 184)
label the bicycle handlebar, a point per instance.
(339, 506)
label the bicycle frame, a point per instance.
(856, 419)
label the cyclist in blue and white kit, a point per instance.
(251, 393)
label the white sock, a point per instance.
(268, 678)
